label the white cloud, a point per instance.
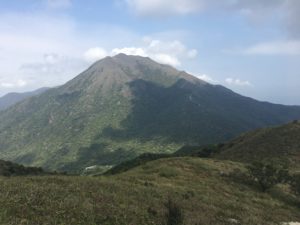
(129, 51)
(206, 78)
(292, 17)
(237, 82)
(59, 4)
(192, 53)
(165, 52)
(164, 7)
(32, 50)
(274, 48)
(166, 59)
(183, 7)
(52, 69)
(13, 84)
(48, 49)
(256, 10)
(51, 58)
(94, 54)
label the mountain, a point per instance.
(123, 106)
(12, 98)
(280, 144)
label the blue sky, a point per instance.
(251, 47)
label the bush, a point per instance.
(240, 177)
(295, 184)
(169, 172)
(267, 175)
(174, 214)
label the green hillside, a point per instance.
(123, 106)
(201, 191)
(279, 144)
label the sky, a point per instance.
(249, 46)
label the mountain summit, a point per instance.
(123, 106)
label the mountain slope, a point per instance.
(12, 98)
(123, 106)
(276, 144)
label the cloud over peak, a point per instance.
(166, 52)
(94, 54)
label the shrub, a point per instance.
(174, 214)
(295, 184)
(169, 172)
(241, 177)
(267, 175)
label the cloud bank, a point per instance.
(259, 10)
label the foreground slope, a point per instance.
(139, 196)
(123, 106)
(279, 144)
(12, 98)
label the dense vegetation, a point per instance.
(122, 107)
(190, 191)
(267, 175)
(11, 169)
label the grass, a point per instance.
(139, 196)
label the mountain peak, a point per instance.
(121, 60)
(123, 106)
(121, 69)
(124, 56)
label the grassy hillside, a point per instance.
(199, 188)
(279, 144)
(124, 106)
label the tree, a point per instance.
(267, 175)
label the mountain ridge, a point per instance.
(14, 97)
